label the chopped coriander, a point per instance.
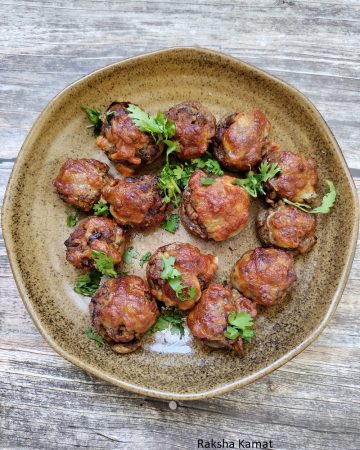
(172, 276)
(326, 204)
(207, 181)
(239, 326)
(254, 182)
(95, 118)
(129, 255)
(144, 259)
(72, 216)
(207, 164)
(171, 224)
(104, 263)
(101, 209)
(88, 283)
(99, 341)
(171, 320)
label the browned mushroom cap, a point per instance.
(95, 233)
(241, 139)
(215, 211)
(122, 311)
(136, 201)
(208, 320)
(265, 275)
(297, 179)
(123, 142)
(195, 127)
(80, 182)
(287, 227)
(196, 270)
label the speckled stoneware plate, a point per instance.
(34, 223)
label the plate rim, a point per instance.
(152, 392)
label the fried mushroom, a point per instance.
(195, 271)
(297, 179)
(287, 227)
(80, 182)
(136, 201)
(264, 275)
(122, 311)
(241, 140)
(95, 233)
(195, 127)
(122, 141)
(208, 320)
(215, 211)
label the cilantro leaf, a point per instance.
(207, 181)
(239, 326)
(326, 204)
(207, 164)
(99, 341)
(101, 209)
(171, 224)
(129, 255)
(104, 263)
(72, 216)
(254, 182)
(95, 118)
(88, 283)
(171, 320)
(173, 276)
(144, 259)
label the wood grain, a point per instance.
(311, 402)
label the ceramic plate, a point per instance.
(35, 229)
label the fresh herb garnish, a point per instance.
(72, 216)
(326, 204)
(207, 181)
(101, 209)
(171, 320)
(95, 118)
(240, 326)
(254, 182)
(129, 255)
(104, 263)
(172, 276)
(174, 178)
(144, 259)
(171, 224)
(99, 341)
(88, 283)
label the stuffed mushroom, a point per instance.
(177, 273)
(208, 320)
(95, 234)
(122, 311)
(136, 201)
(194, 128)
(241, 140)
(214, 207)
(264, 275)
(80, 182)
(287, 227)
(122, 141)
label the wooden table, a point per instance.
(311, 402)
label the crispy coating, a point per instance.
(287, 227)
(195, 127)
(94, 233)
(265, 275)
(241, 140)
(208, 320)
(196, 268)
(123, 142)
(80, 182)
(217, 211)
(122, 310)
(298, 177)
(136, 201)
